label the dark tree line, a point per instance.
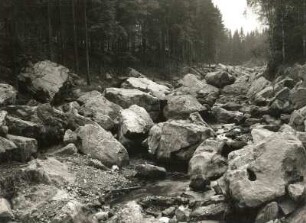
(287, 29)
(97, 35)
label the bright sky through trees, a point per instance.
(236, 14)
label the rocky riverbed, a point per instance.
(220, 144)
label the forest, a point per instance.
(97, 36)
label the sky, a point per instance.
(236, 14)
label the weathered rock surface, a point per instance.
(26, 147)
(298, 94)
(257, 85)
(207, 163)
(260, 173)
(6, 213)
(44, 80)
(128, 97)
(224, 116)
(220, 79)
(7, 94)
(50, 171)
(7, 149)
(190, 84)
(297, 119)
(135, 124)
(176, 139)
(181, 106)
(268, 213)
(101, 110)
(101, 145)
(146, 85)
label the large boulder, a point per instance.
(181, 106)
(257, 85)
(176, 139)
(44, 80)
(6, 213)
(297, 119)
(7, 94)
(7, 149)
(261, 173)
(192, 85)
(26, 147)
(21, 127)
(101, 110)
(207, 163)
(101, 145)
(240, 87)
(298, 94)
(128, 97)
(49, 171)
(224, 116)
(146, 85)
(220, 79)
(135, 124)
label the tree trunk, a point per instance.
(50, 30)
(62, 38)
(86, 42)
(304, 29)
(75, 40)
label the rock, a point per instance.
(297, 119)
(20, 127)
(232, 106)
(54, 205)
(182, 214)
(296, 191)
(134, 73)
(264, 96)
(146, 85)
(128, 97)
(54, 121)
(135, 124)
(215, 211)
(102, 215)
(260, 173)
(101, 110)
(240, 87)
(225, 116)
(259, 134)
(7, 149)
(298, 216)
(281, 102)
(298, 94)
(199, 183)
(257, 85)
(26, 147)
(206, 163)
(73, 212)
(3, 126)
(101, 145)
(70, 137)
(176, 139)
(287, 206)
(49, 171)
(44, 80)
(130, 213)
(6, 213)
(192, 85)
(70, 149)
(7, 94)
(220, 79)
(149, 171)
(169, 211)
(181, 106)
(268, 213)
